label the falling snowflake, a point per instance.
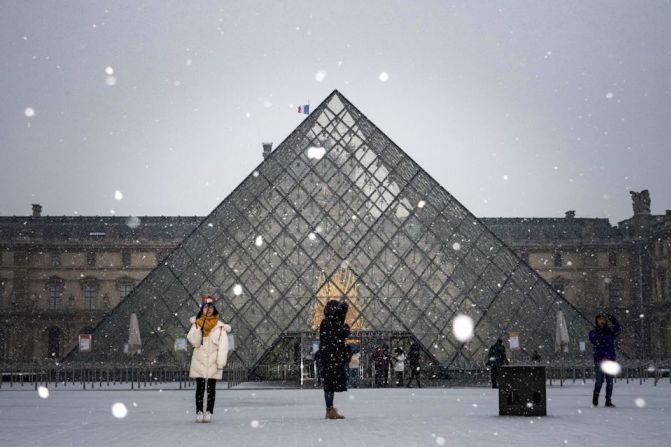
(133, 222)
(421, 204)
(118, 195)
(119, 410)
(610, 367)
(43, 392)
(440, 440)
(320, 75)
(384, 76)
(640, 402)
(316, 152)
(456, 246)
(609, 95)
(29, 112)
(258, 241)
(109, 71)
(110, 81)
(254, 424)
(462, 328)
(237, 290)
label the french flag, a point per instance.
(304, 109)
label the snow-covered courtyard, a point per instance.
(375, 417)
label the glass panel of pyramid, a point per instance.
(338, 211)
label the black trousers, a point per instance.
(598, 383)
(414, 375)
(379, 377)
(211, 394)
(494, 375)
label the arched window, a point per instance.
(55, 335)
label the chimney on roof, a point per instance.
(37, 210)
(570, 214)
(267, 149)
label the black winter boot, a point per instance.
(595, 399)
(610, 404)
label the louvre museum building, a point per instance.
(336, 211)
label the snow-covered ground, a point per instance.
(375, 417)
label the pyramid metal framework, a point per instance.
(339, 196)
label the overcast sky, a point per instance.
(519, 108)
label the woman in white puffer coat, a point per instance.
(209, 338)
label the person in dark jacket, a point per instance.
(535, 357)
(413, 361)
(387, 363)
(379, 362)
(333, 331)
(496, 357)
(603, 340)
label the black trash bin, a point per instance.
(522, 391)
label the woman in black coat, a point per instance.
(334, 353)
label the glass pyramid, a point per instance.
(340, 211)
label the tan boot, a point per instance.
(332, 413)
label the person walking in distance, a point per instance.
(333, 331)
(387, 362)
(603, 340)
(413, 360)
(399, 365)
(209, 338)
(354, 364)
(496, 357)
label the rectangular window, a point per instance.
(91, 258)
(55, 259)
(125, 258)
(125, 289)
(557, 259)
(615, 291)
(55, 293)
(90, 295)
(612, 258)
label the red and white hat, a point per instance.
(207, 299)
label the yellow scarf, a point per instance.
(207, 323)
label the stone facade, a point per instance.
(60, 275)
